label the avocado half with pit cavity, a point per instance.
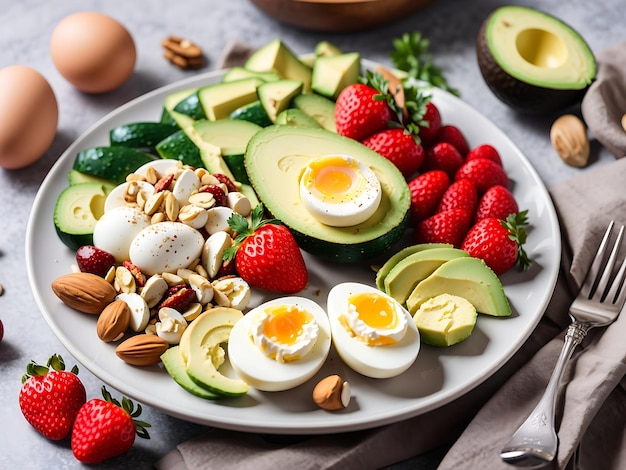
(533, 61)
(276, 157)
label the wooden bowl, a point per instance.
(339, 16)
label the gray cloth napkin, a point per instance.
(604, 103)
(593, 408)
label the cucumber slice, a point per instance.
(254, 113)
(111, 163)
(76, 212)
(140, 135)
(179, 146)
(190, 106)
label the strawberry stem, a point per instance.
(242, 229)
(133, 411)
(55, 362)
(515, 223)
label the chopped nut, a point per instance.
(182, 52)
(569, 138)
(332, 393)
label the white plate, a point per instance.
(437, 377)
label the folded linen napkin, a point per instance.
(584, 212)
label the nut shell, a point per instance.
(114, 321)
(332, 393)
(85, 292)
(142, 350)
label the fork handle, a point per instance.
(537, 434)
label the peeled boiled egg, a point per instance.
(340, 191)
(280, 344)
(116, 229)
(165, 247)
(117, 196)
(372, 332)
(93, 51)
(29, 114)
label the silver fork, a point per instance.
(598, 303)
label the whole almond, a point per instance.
(114, 321)
(568, 135)
(85, 292)
(142, 350)
(332, 393)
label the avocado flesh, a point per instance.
(175, 367)
(274, 160)
(533, 61)
(445, 320)
(466, 277)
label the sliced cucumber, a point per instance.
(140, 135)
(179, 146)
(169, 115)
(190, 106)
(76, 177)
(76, 212)
(110, 163)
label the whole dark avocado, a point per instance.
(532, 61)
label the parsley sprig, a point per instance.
(412, 56)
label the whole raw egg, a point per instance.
(29, 114)
(93, 51)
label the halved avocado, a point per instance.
(532, 61)
(274, 160)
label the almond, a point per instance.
(114, 321)
(85, 292)
(569, 138)
(142, 350)
(332, 393)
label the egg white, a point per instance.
(162, 166)
(116, 229)
(371, 361)
(349, 209)
(263, 373)
(116, 197)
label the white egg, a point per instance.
(165, 247)
(186, 183)
(116, 198)
(379, 352)
(262, 372)
(116, 229)
(340, 191)
(162, 166)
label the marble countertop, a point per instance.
(25, 28)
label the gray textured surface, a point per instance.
(25, 28)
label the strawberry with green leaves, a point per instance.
(266, 254)
(398, 146)
(105, 428)
(499, 243)
(50, 397)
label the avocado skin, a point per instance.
(521, 96)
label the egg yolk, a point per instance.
(284, 323)
(374, 310)
(334, 179)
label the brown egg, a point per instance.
(29, 115)
(94, 52)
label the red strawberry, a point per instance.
(105, 429)
(444, 227)
(443, 156)
(497, 202)
(94, 260)
(358, 115)
(484, 151)
(50, 399)
(428, 132)
(426, 192)
(453, 135)
(461, 194)
(266, 254)
(499, 243)
(399, 147)
(483, 173)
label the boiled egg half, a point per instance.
(372, 332)
(340, 191)
(280, 344)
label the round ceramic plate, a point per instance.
(438, 375)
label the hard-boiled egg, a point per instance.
(280, 344)
(116, 229)
(371, 331)
(165, 247)
(117, 196)
(340, 191)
